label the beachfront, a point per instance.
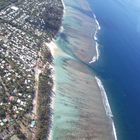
(25, 66)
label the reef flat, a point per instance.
(79, 111)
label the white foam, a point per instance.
(105, 99)
(95, 58)
(99, 27)
(106, 106)
(97, 51)
(114, 130)
(103, 93)
(95, 36)
(61, 30)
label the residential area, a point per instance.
(24, 26)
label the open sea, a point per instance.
(119, 63)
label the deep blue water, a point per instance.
(119, 63)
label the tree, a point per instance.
(2, 113)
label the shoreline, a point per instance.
(39, 74)
(27, 81)
(52, 48)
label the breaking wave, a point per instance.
(95, 58)
(106, 105)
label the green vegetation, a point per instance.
(44, 96)
(25, 27)
(2, 113)
(45, 91)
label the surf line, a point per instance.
(106, 105)
(101, 87)
(95, 58)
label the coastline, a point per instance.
(26, 68)
(95, 58)
(43, 66)
(52, 48)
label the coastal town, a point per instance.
(25, 66)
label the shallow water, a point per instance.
(78, 111)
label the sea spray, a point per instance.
(105, 99)
(95, 58)
(106, 105)
(103, 93)
(114, 130)
(98, 25)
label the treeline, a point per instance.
(44, 95)
(53, 18)
(44, 111)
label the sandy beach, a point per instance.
(53, 49)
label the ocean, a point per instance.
(118, 65)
